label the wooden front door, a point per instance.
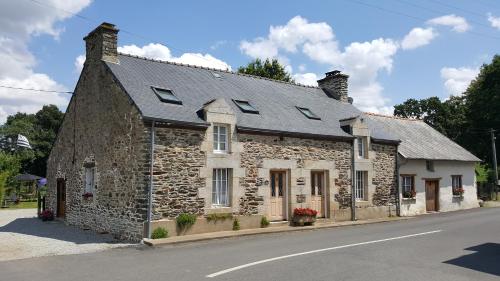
(61, 198)
(318, 192)
(278, 196)
(431, 196)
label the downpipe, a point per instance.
(353, 182)
(150, 190)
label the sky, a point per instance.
(392, 50)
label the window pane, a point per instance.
(273, 186)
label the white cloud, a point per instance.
(20, 21)
(218, 44)
(309, 79)
(458, 24)
(418, 37)
(79, 61)
(495, 21)
(161, 52)
(456, 80)
(361, 60)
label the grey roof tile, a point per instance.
(276, 101)
(419, 140)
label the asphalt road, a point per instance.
(454, 246)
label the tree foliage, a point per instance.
(465, 119)
(40, 129)
(269, 68)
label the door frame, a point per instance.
(436, 193)
(285, 191)
(61, 184)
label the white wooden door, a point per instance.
(318, 192)
(278, 193)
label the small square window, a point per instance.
(308, 113)
(166, 95)
(246, 107)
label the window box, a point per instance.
(409, 194)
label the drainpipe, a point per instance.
(353, 182)
(150, 191)
(398, 200)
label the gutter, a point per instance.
(353, 182)
(150, 190)
(292, 134)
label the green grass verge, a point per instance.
(22, 205)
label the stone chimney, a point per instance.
(101, 43)
(335, 85)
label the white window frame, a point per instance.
(217, 138)
(361, 147)
(456, 181)
(89, 179)
(407, 183)
(220, 187)
(360, 185)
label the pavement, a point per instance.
(22, 236)
(458, 246)
(320, 224)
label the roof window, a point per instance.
(246, 107)
(308, 113)
(166, 95)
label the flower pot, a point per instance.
(303, 220)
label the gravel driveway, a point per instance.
(22, 235)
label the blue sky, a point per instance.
(392, 49)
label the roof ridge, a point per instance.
(216, 69)
(392, 116)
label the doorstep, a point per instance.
(256, 231)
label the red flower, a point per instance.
(305, 212)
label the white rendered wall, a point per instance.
(443, 170)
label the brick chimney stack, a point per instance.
(101, 43)
(335, 85)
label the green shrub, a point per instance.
(264, 222)
(236, 224)
(185, 220)
(219, 216)
(159, 232)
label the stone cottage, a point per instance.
(143, 141)
(435, 173)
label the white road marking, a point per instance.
(316, 251)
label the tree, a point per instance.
(483, 109)
(270, 69)
(40, 129)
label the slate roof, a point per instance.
(419, 140)
(276, 101)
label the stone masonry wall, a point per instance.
(257, 148)
(384, 179)
(178, 159)
(102, 128)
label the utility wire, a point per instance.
(93, 21)
(458, 8)
(35, 90)
(414, 17)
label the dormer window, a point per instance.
(166, 95)
(308, 113)
(361, 147)
(246, 107)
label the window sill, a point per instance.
(219, 209)
(409, 198)
(220, 152)
(458, 196)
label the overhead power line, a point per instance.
(414, 17)
(36, 90)
(93, 21)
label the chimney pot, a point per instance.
(335, 85)
(101, 43)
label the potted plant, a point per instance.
(304, 216)
(409, 194)
(47, 215)
(87, 195)
(459, 191)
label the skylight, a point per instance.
(217, 75)
(308, 113)
(246, 107)
(166, 95)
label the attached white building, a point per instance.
(435, 173)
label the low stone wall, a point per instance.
(364, 213)
(203, 225)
